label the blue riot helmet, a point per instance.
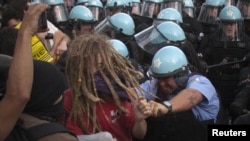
(57, 10)
(117, 26)
(168, 14)
(120, 47)
(136, 7)
(115, 6)
(154, 37)
(82, 19)
(176, 4)
(209, 12)
(244, 7)
(82, 2)
(231, 24)
(151, 8)
(188, 7)
(168, 61)
(96, 7)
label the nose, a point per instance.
(163, 81)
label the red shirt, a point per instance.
(118, 123)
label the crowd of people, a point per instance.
(123, 70)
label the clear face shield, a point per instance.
(209, 14)
(59, 13)
(136, 8)
(109, 11)
(244, 7)
(159, 21)
(229, 2)
(230, 31)
(172, 4)
(151, 40)
(105, 27)
(98, 13)
(150, 9)
(69, 4)
(83, 3)
(189, 11)
(83, 27)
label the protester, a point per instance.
(101, 95)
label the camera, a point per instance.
(42, 22)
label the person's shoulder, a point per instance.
(198, 78)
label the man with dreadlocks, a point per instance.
(101, 97)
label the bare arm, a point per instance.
(60, 42)
(142, 110)
(183, 101)
(20, 76)
(186, 100)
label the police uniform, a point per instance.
(188, 125)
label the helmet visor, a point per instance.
(150, 9)
(136, 8)
(98, 13)
(189, 11)
(172, 4)
(230, 31)
(59, 13)
(208, 14)
(150, 40)
(105, 27)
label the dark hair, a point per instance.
(8, 36)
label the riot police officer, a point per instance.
(244, 7)
(97, 9)
(228, 45)
(155, 37)
(82, 19)
(173, 83)
(208, 15)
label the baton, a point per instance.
(224, 64)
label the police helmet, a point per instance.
(168, 61)
(230, 14)
(82, 13)
(168, 14)
(120, 47)
(57, 10)
(155, 37)
(123, 22)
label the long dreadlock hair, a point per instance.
(84, 50)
